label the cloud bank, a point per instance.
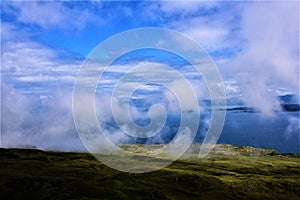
(254, 44)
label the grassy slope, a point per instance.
(35, 174)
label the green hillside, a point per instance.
(229, 172)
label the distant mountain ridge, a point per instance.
(288, 103)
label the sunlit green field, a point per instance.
(35, 174)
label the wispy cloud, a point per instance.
(51, 14)
(255, 46)
(270, 57)
(25, 60)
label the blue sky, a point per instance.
(254, 44)
(83, 25)
(233, 33)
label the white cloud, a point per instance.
(184, 94)
(273, 40)
(187, 7)
(292, 128)
(29, 61)
(264, 39)
(270, 57)
(267, 33)
(23, 124)
(209, 37)
(211, 24)
(51, 14)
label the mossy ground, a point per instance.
(35, 174)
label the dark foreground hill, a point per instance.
(250, 174)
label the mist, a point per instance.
(43, 123)
(30, 121)
(255, 45)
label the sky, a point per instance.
(254, 44)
